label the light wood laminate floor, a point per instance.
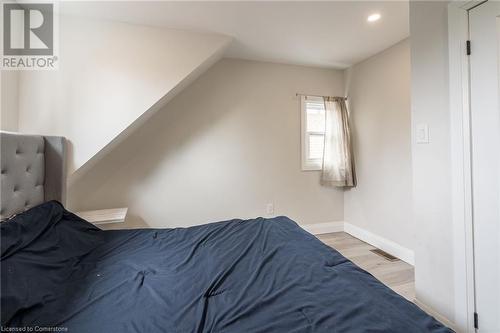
(397, 275)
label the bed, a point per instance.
(62, 273)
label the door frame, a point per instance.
(461, 161)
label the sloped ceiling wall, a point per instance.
(112, 76)
(225, 147)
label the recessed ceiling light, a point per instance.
(374, 17)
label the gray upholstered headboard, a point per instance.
(33, 171)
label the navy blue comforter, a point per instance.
(262, 275)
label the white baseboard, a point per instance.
(384, 244)
(324, 228)
(430, 311)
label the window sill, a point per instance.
(311, 168)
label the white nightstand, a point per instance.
(104, 216)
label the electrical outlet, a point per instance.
(270, 209)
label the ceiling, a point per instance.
(332, 34)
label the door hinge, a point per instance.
(468, 47)
(476, 321)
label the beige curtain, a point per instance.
(338, 159)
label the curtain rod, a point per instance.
(299, 94)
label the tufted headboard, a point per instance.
(33, 170)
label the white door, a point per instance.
(484, 23)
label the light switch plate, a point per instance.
(422, 133)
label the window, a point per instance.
(313, 132)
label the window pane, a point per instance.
(316, 142)
(315, 116)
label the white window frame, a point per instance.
(307, 163)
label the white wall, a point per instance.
(379, 99)
(434, 272)
(223, 148)
(9, 100)
(109, 75)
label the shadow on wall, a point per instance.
(164, 135)
(227, 146)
